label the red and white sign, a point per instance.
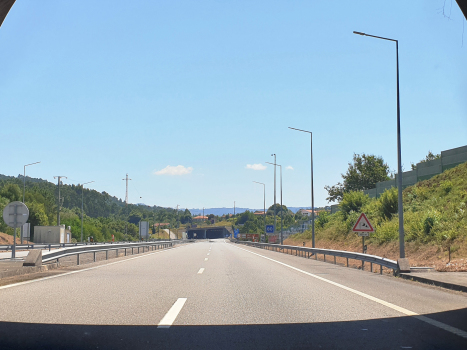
(363, 225)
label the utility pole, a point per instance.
(234, 208)
(126, 203)
(59, 199)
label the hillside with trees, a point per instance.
(104, 215)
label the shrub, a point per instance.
(446, 186)
(322, 219)
(388, 203)
(387, 232)
(353, 201)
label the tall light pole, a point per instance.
(24, 191)
(59, 205)
(399, 157)
(264, 199)
(82, 207)
(24, 178)
(274, 206)
(281, 237)
(312, 192)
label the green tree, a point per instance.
(12, 192)
(362, 174)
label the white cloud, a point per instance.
(174, 170)
(289, 167)
(256, 166)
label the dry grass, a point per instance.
(430, 255)
(7, 239)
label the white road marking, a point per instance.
(402, 310)
(172, 314)
(89, 268)
(201, 270)
(208, 253)
(205, 259)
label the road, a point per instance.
(219, 295)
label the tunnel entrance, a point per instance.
(207, 232)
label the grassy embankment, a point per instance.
(435, 222)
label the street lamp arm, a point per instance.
(300, 130)
(374, 36)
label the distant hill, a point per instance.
(224, 211)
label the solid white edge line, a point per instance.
(201, 270)
(402, 310)
(172, 314)
(87, 269)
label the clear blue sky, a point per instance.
(98, 89)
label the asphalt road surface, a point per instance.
(220, 295)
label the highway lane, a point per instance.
(221, 295)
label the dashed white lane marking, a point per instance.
(208, 253)
(402, 310)
(89, 268)
(205, 259)
(172, 314)
(201, 270)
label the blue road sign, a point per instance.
(269, 228)
(236, 232)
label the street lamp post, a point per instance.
(274, 206)
(399, 157)
(264, 200)
(82, 207)
(281, 237)
(312, 192)
(24, 191)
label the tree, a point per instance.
(362, 174)
(12, 192)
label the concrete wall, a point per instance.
(424, 171)
(51, 234)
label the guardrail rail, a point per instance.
(56, 255)
(307, 252)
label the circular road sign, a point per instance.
(15, 214)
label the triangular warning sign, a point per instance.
(363, 225)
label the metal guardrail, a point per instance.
(307, 252)
(56, 255)
(49, 246)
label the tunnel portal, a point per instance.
(207, 232)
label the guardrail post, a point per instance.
(324, 257)
(363, 265)
(371, 267)
(49, 247)
(77, 259)
(334, 260)
(138, 250)
(380, 269)
(316, 256)
(131, 250)
(347, 262)
(106, 255)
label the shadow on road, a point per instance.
(385, 333)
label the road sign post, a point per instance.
(363, 228)
(15, 215)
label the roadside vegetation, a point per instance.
(435, 214)
(104, 215)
